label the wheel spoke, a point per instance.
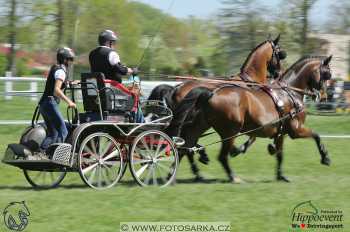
(92, 176)
(141, 170)
(159, 170)
(88, 160)
(104, 176)
(145, 145)
(165, 168)
(160, 143)
(99, 182)
(167, 159)
(112, 155)
(88, 169)
(93, 145)
(161, 152)
(89, 151)
(44, 177)
(155, 182)
(113, 163)
(141, 161)
(37, 176)
(148, 177)
(108, 146)
(52, 177)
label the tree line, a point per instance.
(181, 46)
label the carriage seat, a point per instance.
(114, 103)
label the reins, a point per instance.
(302, 91)
(196, 149)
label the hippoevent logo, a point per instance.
(16, 216)
(306, 216)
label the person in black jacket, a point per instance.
(106, 60)
(48, 104)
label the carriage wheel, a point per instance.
(44, 180)
(153, 159)
(100, 161)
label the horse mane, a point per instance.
(251, 53)
(300, 63)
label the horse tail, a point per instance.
(186, 110)
(203, 98)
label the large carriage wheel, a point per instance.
(44, 180)
(153, 159)
(100, 161)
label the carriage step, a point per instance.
(60, 153)
(20, 156)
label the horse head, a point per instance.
(320, 75)
(311, 73)
(274, 64)
(265, 58)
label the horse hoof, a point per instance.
(326, 161)
(198, 179)
(283, 178)
(237, 180)
(271, 149)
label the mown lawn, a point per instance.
(261, 204)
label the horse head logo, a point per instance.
(306, 208)
(16, 216)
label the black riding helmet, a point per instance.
(107, 36)
(64, 53)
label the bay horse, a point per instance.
(231, 110)
(266, 57)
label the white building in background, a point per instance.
(339, 47)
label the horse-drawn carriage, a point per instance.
(102, 141)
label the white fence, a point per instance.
(9, 86)
(34, 93)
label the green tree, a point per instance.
(243, 28)
(299, 21)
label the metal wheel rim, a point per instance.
(100, 161)
(153, 159)
(44, 180)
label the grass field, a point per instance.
(261, 204)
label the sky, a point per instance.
(205, 8)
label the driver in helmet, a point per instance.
(106, 60)
(48, 104)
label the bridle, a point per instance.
(275, 60)
(316, 86)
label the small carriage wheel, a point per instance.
(153, 159)
(42, 179)
(100, 161)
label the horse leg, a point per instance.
(225, 148)
(303, 132)
(243, 148)
(223, 158)
(203, 156)
(279, 156)
(194, 168)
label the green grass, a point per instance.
(261, 204)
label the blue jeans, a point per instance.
(56, 127)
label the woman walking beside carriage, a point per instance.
(49, 102)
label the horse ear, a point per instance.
(327, 60)
(277, 39)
